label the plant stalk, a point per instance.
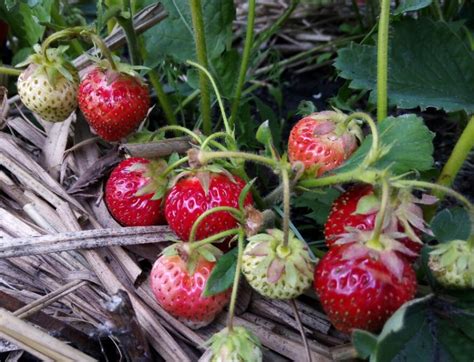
(285, 180)
(201, 52)
(10, 71)
(358, 174)
(236, 213)
(374, 241)
(382, 60)
(235, 286)
(204, 157)
(162, 97)
(130, 35)
(213, 238)
(245, 62)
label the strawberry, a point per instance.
(236, 344)
(360, 287)
(452, 264)
(178, 288)
(130, 192)
(114, 103)
(48, 86)
(274, 270)
(358, 207)
(191, 196)
(322, 141)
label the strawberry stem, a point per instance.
(358, 174)
(127, 25)
(374, 241)
(217, 135)
(105, 51)
(235, 212)
(285, 180)
(432, 186)
(235, 286)
(180, 129)
(382, 59)
(171, 167)
(228, 129)
(213, 238)
(249, 34)
(10, 71)
(460, 153)
(204, 157)
(373, 153)
(66, 33)
(201, 53)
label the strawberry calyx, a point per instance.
(236, 344)
(113, 72)
(153, 172)
(335, 123)
(452, 264)
(281, 261)
(54, 65)
(191, 256)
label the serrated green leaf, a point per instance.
(411, 5)
(430, 66)
(451, 224)
(222, 276)
(364, 342)
(410, 146)
(318, 202)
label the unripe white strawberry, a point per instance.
(236, 345)
(276, 271)
(48, 87)
(452, 264)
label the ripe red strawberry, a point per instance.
(187, 200)
(322, 142)
(113, 103)
(344, 213)
(360, 287)
(180, 293)
(130, 191)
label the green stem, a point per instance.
(163, 98)
(235, 285)
(218, 96)
(232, 210)
(213, 136)
(204, 157)
(130, 35)
(10, 71)
(66, 33)
(437, 9)
(285, 180)
(459, 154)
(435, 187)
(276, 25)
(59, 19)
(373, 153)
(97, 40)
(180, 129)
(358, 174)
(186, 101)
(245, 61)
(374, 241)
(213, 238)
(201, 52)
(171, 167)
(382, 60)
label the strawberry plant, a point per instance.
(392, 272)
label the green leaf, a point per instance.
(318, 202)
(410, 143)
(424, 329)
(430, 66)
(173, 37)
(411, 5)
(364, 342)
(222, 275)
(451, 224)
(264, 134)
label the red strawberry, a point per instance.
(180, 293)
(187, 200)
(360, 287)
(113, 103)
(344, 214)
(321, 141)
(130, 190)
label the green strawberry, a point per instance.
(48, 86)
(452, 264)
(236, 345)
(274, 270)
